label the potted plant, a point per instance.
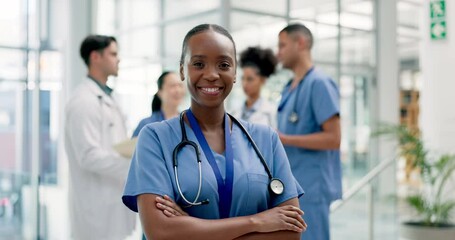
(433, 212)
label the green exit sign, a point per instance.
(438, 25)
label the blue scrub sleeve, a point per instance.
(148, 172)
(325, 100)
(282, 170)
(138, 128)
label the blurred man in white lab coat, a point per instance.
(94, 124)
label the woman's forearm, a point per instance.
(289, 235)
(159, 224)
(186, 227)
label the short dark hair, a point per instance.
(202, 28)
(300, 28)
(262, 59)
(94, 43)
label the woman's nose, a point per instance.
(211, 73)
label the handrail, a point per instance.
(361, 184)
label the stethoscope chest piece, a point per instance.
(276, 186)
(293, 118)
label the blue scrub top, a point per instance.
(156, 117)
(318, 172)
(151, 170)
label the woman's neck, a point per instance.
(209, 118)
(169, 111)
(251, 100)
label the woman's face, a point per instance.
(252, 81)
(172, 91)
(209, 67)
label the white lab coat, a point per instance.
(94, 123)
(262, 112)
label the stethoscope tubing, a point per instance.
(184, 142)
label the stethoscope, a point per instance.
(276, 186)
(294, 117)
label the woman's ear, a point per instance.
(182, 74)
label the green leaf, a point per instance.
(418, 202)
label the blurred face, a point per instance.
(288, 50)
(172, 91)
(252, 81)
(209, 68)
(107, 60)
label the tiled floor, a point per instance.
(351, 220)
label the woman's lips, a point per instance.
(211, 90)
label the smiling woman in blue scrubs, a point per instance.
(237, 202)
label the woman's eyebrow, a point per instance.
(225, 57)
(198, 56)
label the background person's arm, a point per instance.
(328, 139)
(157, 225)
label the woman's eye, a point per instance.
(225, 65)
(198, 64)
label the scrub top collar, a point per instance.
(105, 88)
(285, 99)
(247, 112)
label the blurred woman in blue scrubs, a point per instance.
(245, 209)
(166, 101)
(257, 65)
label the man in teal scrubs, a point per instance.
(309, 128)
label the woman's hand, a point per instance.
(169, 207)
(279, 219)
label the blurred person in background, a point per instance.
(309, 128)
(257, 65)
(94, 124)
(166, 101)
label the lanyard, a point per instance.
(224, 187)
(286, 98)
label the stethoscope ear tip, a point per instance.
(206, 201)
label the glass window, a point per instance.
(138, 13)
(175, 32)
(12, 64)
(325, 45)
(106, 20)
(10, 124)
(357, 47)
(357, 14)
(266, 6)
(252, 30)
(140, 44)
(51, 64)
(180, 8)
(12, 23)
